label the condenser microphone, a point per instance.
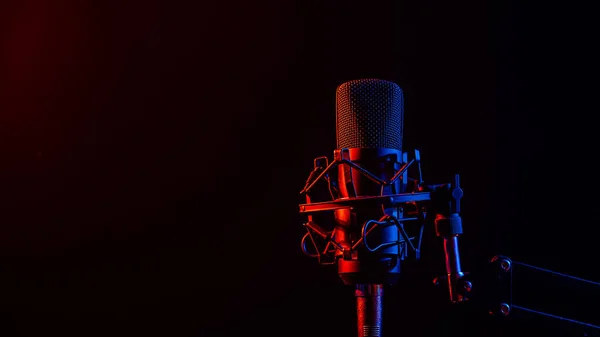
(369, 123)
(373, 201)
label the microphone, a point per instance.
(369, 122)
(373, 202)
(369, 126)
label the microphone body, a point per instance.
(360, 265)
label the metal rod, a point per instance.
(369, 307)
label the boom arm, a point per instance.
(520, 292)
(493, 288)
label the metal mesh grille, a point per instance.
(369, 114)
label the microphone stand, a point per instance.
(539, 291)
(490, 290)
(369, 309)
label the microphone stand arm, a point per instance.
(445, 204)
(493, 288)
(538, 292)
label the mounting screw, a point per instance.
(505, 265)
(467, 286)
(504, 309)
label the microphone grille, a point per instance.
(369, 114)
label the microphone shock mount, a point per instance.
(368, 235)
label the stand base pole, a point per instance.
(369, 308)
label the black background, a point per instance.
(151, 157)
